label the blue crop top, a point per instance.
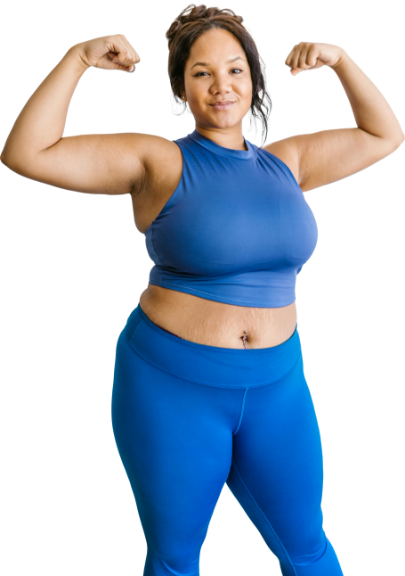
(237, 229)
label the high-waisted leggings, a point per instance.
(188, 418)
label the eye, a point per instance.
(198, 73)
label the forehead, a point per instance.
(217, 44)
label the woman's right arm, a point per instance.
(42, 120)
(99, 163)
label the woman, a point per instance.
(209, 385)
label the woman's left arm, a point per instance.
(371, 111)
(330, 155)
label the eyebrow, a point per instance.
(207, 63)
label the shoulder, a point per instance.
(157, 151)
(161, 158)
(160, 152)
(163, 161)
(287, 151)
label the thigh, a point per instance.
(175, 441)
(277, 471)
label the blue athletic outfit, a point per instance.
(188, 417)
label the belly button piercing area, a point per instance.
(244, 337)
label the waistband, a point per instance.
(210, 365)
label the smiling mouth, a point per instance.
(222, 105)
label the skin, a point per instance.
(218, 81)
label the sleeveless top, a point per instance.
(237, 229)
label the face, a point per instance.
(217, 70)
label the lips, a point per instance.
(223, 105)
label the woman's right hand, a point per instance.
(108, 52)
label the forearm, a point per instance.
(371, 110)
(41, 122)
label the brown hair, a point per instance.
(185, 30)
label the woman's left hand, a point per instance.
(310, 55)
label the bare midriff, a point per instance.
(217, 324)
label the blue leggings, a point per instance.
(189, 417)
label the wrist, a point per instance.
(76, 54)
(341, 60)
